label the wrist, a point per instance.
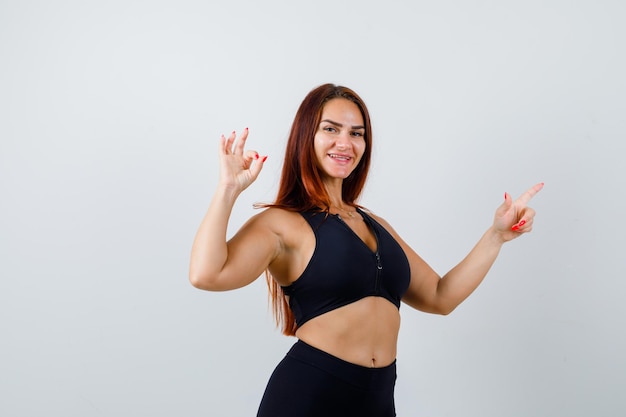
(495, 237)
(227, 192)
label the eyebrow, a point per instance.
(340, 125)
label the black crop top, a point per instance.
(343, 269)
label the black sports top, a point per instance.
(343, 269)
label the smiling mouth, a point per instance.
(339, 157)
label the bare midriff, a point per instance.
(364, 333)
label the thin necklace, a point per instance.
(349, 213)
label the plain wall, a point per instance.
(110, 115)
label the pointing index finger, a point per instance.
(530, 193)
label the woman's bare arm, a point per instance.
(216, 264)
(441, 295)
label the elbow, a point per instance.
(445, 311)
(437, 308)
(447, 308)
(195, 281)
(201, 281)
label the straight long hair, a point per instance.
(301, 187)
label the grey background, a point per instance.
(110, 114)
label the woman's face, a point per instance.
(339, 141)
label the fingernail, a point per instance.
(256, 156)
(246, 129)
(518, 225)
(264, 158)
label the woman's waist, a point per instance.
(364, 333)
(367, 378)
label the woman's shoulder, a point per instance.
(278, 219)
(289, 226)
(380, 220)
(273, 213)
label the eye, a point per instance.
(357, 134)
(329, 129)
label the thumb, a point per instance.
(506, 205)
(256, 168)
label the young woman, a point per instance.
(336, 272)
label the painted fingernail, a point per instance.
(518, 225)
(256, 156)
(264, 158)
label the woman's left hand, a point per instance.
(513, 218)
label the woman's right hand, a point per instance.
(238, 167)
(218, 264)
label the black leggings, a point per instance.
(309, 382)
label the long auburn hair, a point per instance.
(301, 187)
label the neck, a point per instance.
(334, 191)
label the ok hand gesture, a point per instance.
(238, 168)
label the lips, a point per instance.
(339, 157)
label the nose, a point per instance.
(343, 141)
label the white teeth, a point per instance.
(344, 158)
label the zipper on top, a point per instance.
(379, 265)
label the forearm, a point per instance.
(209, 251)
(464, 278)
